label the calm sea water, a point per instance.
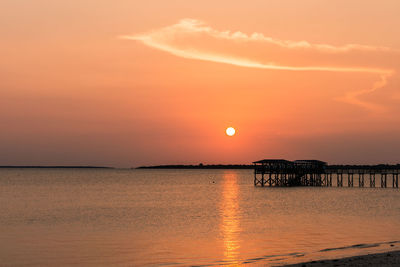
(91, 217)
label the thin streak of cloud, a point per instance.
(196, 26)
(353, 97)
(167, 39)
(237, 61)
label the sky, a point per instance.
(131, 83)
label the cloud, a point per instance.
(192, 26)
(193, 39)
(353, 97)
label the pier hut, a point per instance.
(280, 172)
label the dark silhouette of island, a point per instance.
(200, 166)
(211, 166)
(365, 167)
(251, 166)
(57, 167)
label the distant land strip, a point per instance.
(365, 167)
(200, 166)
(251, 166)
(57, 167)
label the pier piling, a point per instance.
(360, 179)
(383, 180)
(372, 180)
(350, 180)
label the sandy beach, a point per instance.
(391, 258)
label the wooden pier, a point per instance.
(283, 173)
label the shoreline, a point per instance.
(55, 167)
(390, 258)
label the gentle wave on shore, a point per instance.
(386, 259)
(358, 249)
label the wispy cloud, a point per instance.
(353, 97)
(190, 26)
(238, 61)
(192, 39)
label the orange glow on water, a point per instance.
(230, 223)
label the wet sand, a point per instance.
(391, 258)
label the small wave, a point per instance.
(283, 257)
(273, 257)
(372, 245)
(392, 242)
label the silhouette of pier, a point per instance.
(283, 173)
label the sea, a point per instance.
(133, 217)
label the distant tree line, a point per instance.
(58, 167)
(365, 167)
(200, 166)
(248, 166)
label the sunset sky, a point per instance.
(130, 83)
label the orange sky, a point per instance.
(134, 83)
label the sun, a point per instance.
(230, 131)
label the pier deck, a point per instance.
(282, 173)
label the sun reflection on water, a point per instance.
(230, 223)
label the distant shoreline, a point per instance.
(213, 166)
(251, 166)
(205, 166)
(54, 167)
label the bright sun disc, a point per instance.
(230, 131)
